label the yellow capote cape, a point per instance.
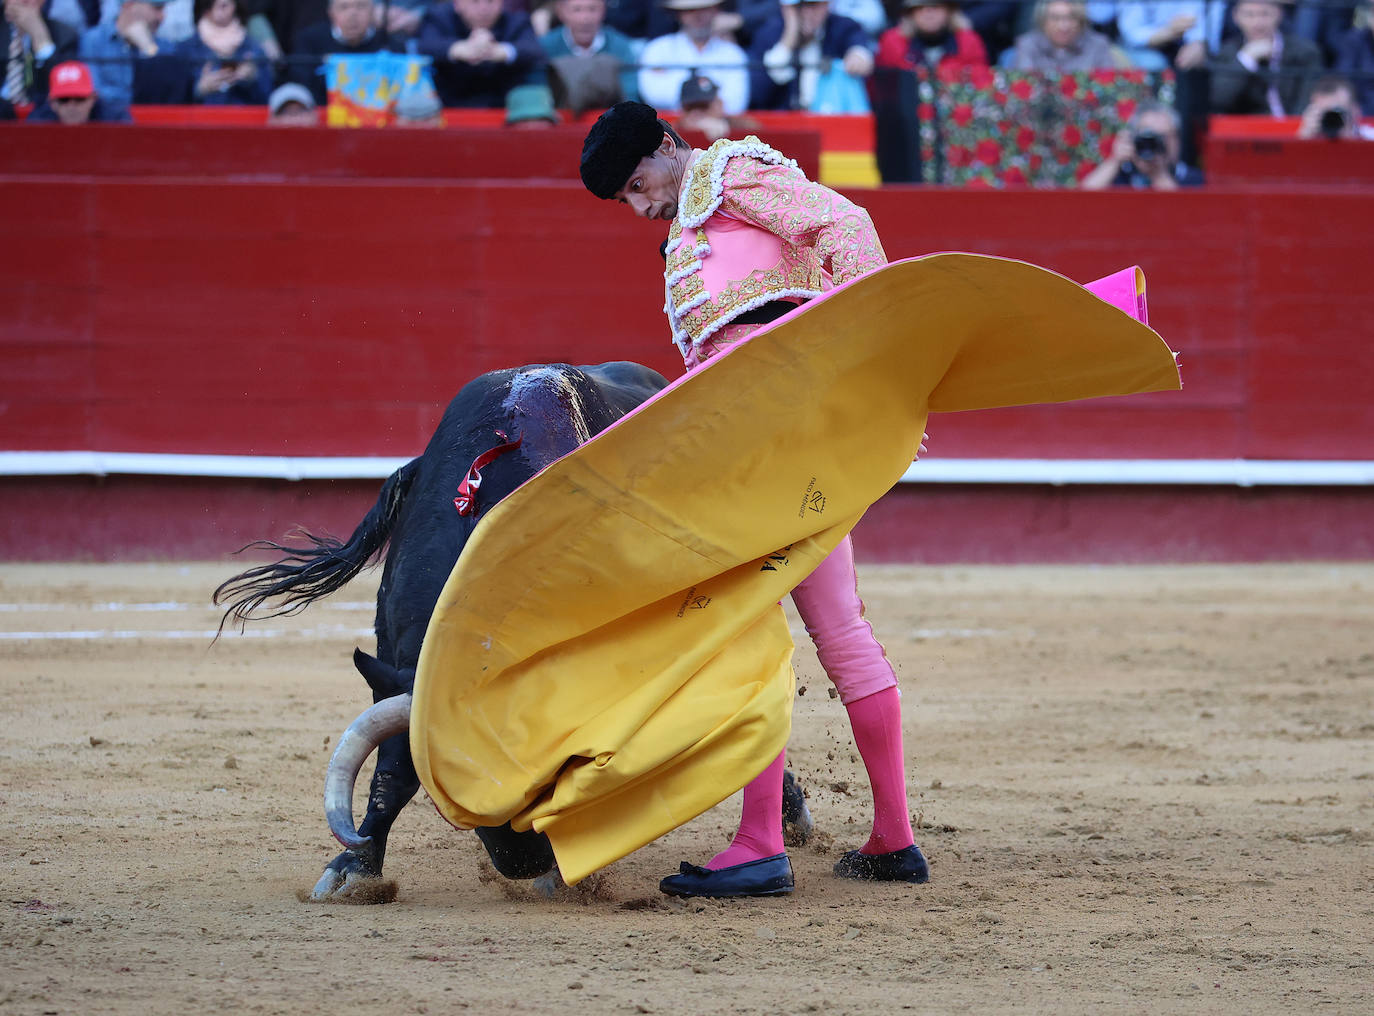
(608, 659)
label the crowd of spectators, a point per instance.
(1312, 58)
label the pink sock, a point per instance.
(760, 825)
(877, 723)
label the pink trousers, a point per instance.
(828, 602)
(828, 599)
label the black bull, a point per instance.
(550, 409)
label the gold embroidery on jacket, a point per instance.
(751, 182)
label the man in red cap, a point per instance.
(72, 99)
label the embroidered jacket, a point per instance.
(750, 229)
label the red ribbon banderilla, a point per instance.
(466, 501)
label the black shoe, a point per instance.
(905, 865)
(768, 876)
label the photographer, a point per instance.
(1333, 113)
(1145, 154)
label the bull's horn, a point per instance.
(387, 718)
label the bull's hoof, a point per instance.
(797, 823)
(548, 884)
(356, 890)
(352, 878)
(517, 855)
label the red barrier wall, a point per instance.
(1280, 161)
(336, 317)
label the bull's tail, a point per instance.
(317, 568)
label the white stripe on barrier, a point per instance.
(1227, 472)
(31, 608)
(207, 635)
(1057, 472)
(156, 464)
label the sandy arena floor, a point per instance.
(1140, 789)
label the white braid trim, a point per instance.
(681, 338)
(748, 305)
(690, 268)
(675, 313)
(683, 342)
(751, 147)
(691, 305)
(700, 251)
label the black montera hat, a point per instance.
(621, 136)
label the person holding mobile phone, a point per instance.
(227, 67)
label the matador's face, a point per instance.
(652, 189)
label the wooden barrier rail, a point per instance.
(320, 153)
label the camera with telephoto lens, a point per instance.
(1334, 122)
(1149, 144)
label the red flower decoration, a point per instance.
(962, 114)
(1025, 137)
(1000, 98)
(1104, 77)
(1021, 89)
(1105, 143)
(988, 151)
(1013, 175)
(1004, 126)
(1072, 136)
(1082, 170)
(958, 155)
(1062, 158)
(1035, 163)
(1068, 86)
(980, 77)
(925, 111)
(1124, 108)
